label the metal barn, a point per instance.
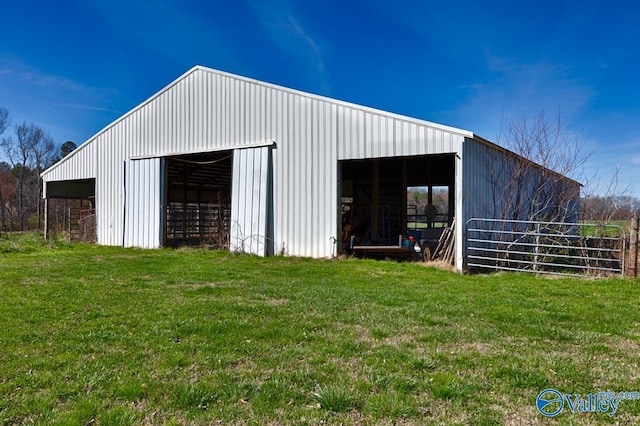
(222, 159)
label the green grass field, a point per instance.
(113, 336)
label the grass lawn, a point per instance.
(113, 336)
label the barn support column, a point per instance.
(459, 217)
(201, 215)
(46, 218)
(429, 184)
(430, 217)
(451, 201)
(375, 211)
(184, 204)
(403, 212)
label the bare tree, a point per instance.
(532, 178)
(43, 155)
(4, 120)
(7, 190)
(28, 154)
(21, 155)
(534, 182)
(607, 208)
(607, 202)
(536, 176)
(4, 123)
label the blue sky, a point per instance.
(74, 67)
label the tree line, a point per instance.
(26, 150)
(608, 208)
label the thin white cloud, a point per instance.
(15, 72)
(534, 86)
(58, 104)
(286, 31)
(167, 29)
(319, 62)
(51, 81)
(514, 89)
(511, 89)
(86, 107)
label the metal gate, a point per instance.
(544, 247)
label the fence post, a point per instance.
(633, 247)
(536, 249)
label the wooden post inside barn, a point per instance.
(375, 214)
(633, 247)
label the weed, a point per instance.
(335, 398)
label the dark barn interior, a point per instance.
(199, 199)
(374, 198)
(70, 208)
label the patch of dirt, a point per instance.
(276, 302)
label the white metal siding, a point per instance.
(477, 193)
(206, 110)
(143, 203)
(80, 164)
(112, 154)
(305, 176)
(250, 200)
(364, 134)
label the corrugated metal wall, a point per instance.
(488, 190)
(143, 219)
(305, 176)
(366, 134)
(478, 195)
(250, 201)
(205, 110)
(80, 164)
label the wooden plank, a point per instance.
(384, 249)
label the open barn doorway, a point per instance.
(198, 208)
(70, 208)
(384, 198)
